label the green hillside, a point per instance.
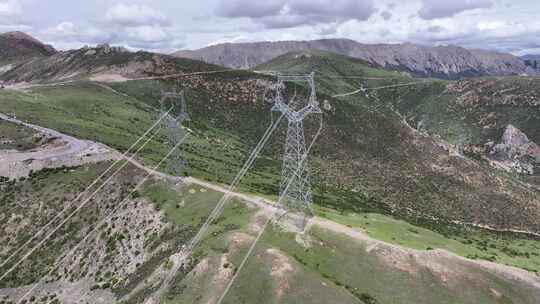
(335, 74)
(371, 171)
(326, 267)
(472, 111)
(366, 159)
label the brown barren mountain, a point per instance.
(16, 46)
(440, 61)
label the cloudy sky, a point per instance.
(168, 25)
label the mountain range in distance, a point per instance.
(449, 62)
(532, 60)
(531, 57)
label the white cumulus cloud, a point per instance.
(147, 33)
(135, 15)
(435, 9)
(11, 14)
(9, 8)
(293, 13)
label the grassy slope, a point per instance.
(83, 109)
(33, 202)
(333, 72)
(336, 269)
(29, 203)
(372, 142)
(481, 116)
(16, 137)
(190, 206)
(430, 103)
(472, 243)
(333, 270)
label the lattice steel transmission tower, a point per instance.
(173, 106)
(295, 187)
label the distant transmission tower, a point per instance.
(174, 104)
(295, 187)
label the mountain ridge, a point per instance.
(438, 61)
(99, 61)
(532, 60)
(16, 46)
(531, 57)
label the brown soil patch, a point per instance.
(281, 271)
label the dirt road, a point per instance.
(62, 150)
(423, 257)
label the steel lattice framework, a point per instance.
(174, 103)
(295, 188)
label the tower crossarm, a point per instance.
(310, 79)
(309, 109)
(178, 101)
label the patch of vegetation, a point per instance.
(84, 110)
(189, 207)
(504, 248)
(30, 203)
(333, 72)
(340, 260)
(17, 137)
(472, 111)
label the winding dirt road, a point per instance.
(62, 150)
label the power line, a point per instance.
(217, 211)
(68, 217)
(311, 108)
(362, 89)
(299, 197)
(108, 217)
(179, 75)
(301, 167)
(358, 77)
(94, 182)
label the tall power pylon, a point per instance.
(173, 106)
(295, 187)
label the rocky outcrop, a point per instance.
(516, 152)
(441, 61)
(103, 49)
